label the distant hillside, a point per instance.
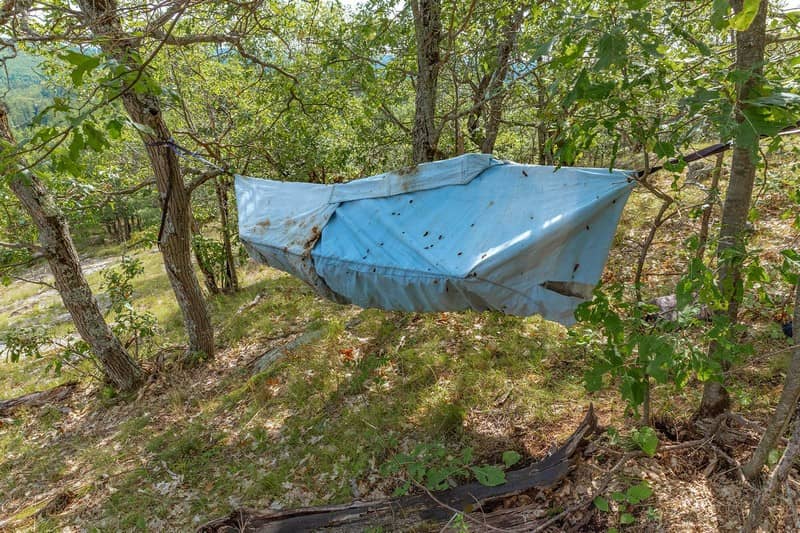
(27, 93)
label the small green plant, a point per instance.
(625, 502)
(210, 255)
(436, 468)
(130, 324)
(24, 343)
(645, 439)
(630, 347)
(636, 346)
(36, 342)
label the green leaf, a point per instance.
(636, 4)
(94, 137)
(638, 493)
(76, 145)
(83, 64)
(626, 518)
(402, 490)
(773, 457)
(601, 503)
(664, 149)
(779, 99)
(510, 458)
(646, 439)
(611, 50)
(593, 379)
(544, 48)
(719, 14)
(742, 20)
(490, 476)
(436, 479)
(618, 497)
(114, 128)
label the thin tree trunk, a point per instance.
(776, 479)
(205, 268)
(750, 46)
(102, 17)
(57, 246)
(545, 156)
(428, 32)
(457, 134)
(496, 90)
(785, 408)
(231, 281)
(711, 200)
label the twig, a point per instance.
(456, 511)
(588, 501)
(737, 467)
(33, 281)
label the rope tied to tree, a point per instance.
(184, 153)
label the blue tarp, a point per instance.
(472, 232)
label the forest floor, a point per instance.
(317, 426)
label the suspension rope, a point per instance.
(185, 153)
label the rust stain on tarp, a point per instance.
(309, 244)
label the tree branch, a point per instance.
(202, 178)
(22, 246)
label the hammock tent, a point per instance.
(472, 232)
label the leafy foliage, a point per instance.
(625, 502)
(436, 468)
(131, 325)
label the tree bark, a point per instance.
(785, 408)
(711, 200)
(750, 46)
(231, 283)
(428, 33)
(545, 156)
(102, 18)
(205, 268)
(38, 398)
(496, 91)
(776, 479)
(59, 251)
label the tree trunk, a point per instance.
(57, 246)
(231, 283)
(545, 155)
(750, 46)
(458, 137)
(776, 479)
(496, 90)
(205, 268)
(785, 408)
(102, 17)
(711, 201)
(428, 32)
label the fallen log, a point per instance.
(269, 357)
(38, 398)
(415, 510)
